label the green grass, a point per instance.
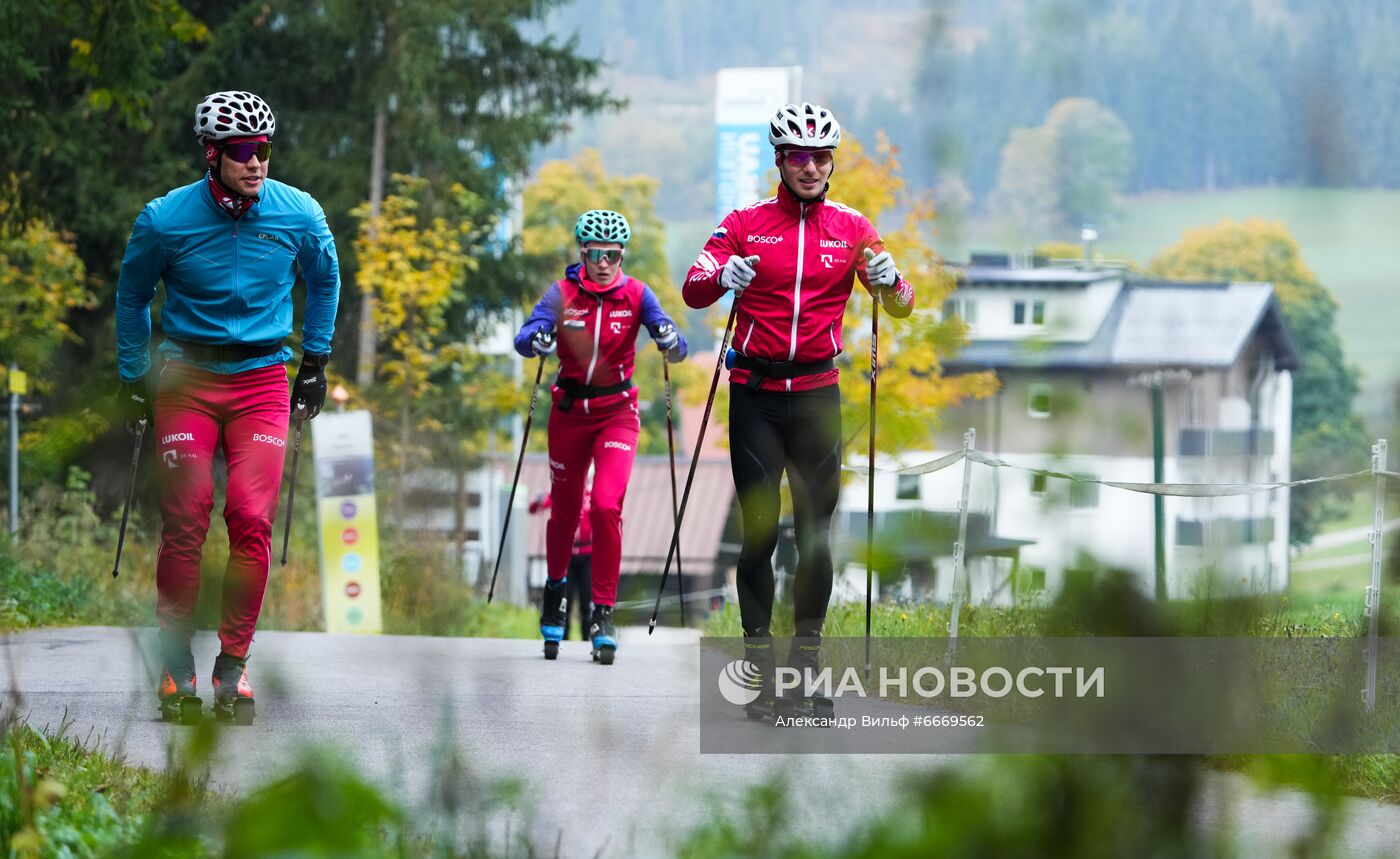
(58, 574)
(60, 797)
(1346, 236)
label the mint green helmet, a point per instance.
(602, 225)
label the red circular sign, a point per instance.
(352, 589)
(350, 536)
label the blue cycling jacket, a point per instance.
(226, 281)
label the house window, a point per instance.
(1082, 495)
(1190, 532)
(1036, 311)
(906, 487)
(964, 308)
(1039, 400)
(1038, 482)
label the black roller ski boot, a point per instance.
(554, 616)
(603, 634)
(805, 657)
(176, 689)
(758, 652)
(233, 693)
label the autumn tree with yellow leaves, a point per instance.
(417, 259)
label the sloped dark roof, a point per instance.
(1155, 324)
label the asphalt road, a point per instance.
(608, 756)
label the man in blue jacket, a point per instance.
(228, 248)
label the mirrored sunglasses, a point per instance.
(799, 158)
(599, 254)
(242, 152)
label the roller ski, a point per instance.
(233, 693)
(554, 616)
(796, 704)
(805, 706)
(176, 692)
(603, 634)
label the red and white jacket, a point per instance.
(597, 328)
(810, 254)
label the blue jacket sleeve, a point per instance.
(142, 266)
(320, 268)
(545, 317)
(653, 317)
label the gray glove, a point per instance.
(738, 273)
(880, 269)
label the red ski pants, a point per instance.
(246, 413)
(609, 441)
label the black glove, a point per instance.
(135, 403)
(309, 389)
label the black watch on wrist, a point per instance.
(316, 359)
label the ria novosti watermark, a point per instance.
(740, 682)
(1075, 695)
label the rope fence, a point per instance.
(969, 455)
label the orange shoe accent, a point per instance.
(169, 689)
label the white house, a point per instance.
(1082, 352)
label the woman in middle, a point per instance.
(592, 317)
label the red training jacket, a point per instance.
(809, 257)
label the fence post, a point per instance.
(960, 547)
(1373, 592)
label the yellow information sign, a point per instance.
(349, 525)
(19, 382)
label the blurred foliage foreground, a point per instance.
(59, 574)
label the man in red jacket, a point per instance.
(791, 262)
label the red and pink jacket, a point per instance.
(810, 254)
(597, 328)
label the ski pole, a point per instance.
(694, 460)
(130, 491)
(675, 509)
(292, 490)
(524, 437)
(870, 478)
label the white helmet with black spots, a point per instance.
(807, 125)
(232, 113)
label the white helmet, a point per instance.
(806, 124)
(232, 113)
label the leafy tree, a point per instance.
(1327, 433)
(413, 262)
(77, 83)
(42, 281)
(562, 191)
(1027, 195)
(1064, 173)
(1093, 152)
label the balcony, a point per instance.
(1199, 441)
